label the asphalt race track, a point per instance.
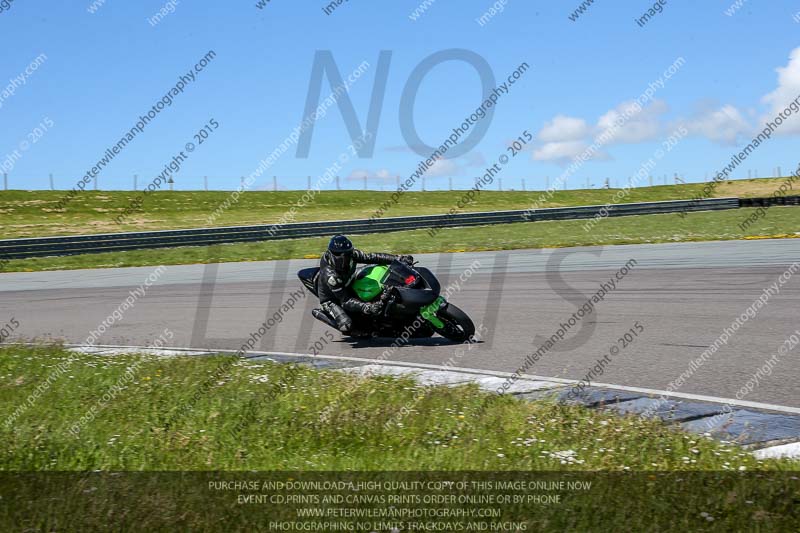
(683, 294)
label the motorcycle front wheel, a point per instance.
(458, 327)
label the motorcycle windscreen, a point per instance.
(401, 275)
(409, 300)
(369, 282)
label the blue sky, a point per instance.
(104, 69)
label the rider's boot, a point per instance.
(320, 315)
(342, 320)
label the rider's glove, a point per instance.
(407, 259)
(373, 308)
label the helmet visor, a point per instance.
(341, 261)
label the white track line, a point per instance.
(564, 381)
(790, 450)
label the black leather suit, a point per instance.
(335, 295)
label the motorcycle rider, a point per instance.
(337, 268)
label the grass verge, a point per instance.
(702, 226)
(36, 214)
(264, 421)
(267, 416)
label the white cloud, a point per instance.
(787, 91)
(381, 174)
(644, 123)
(474, 159)
(722, 125)
(559, 151)
(358, 174)
(443, 167)
(563, 128)
(566, 137)
(440, 168)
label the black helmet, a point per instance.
(340, 251)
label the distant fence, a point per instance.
(371, 183)
(111, 242)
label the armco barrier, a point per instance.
(111, 242)
(769, 202)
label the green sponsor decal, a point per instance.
(429, 312)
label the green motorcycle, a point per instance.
(412, 302)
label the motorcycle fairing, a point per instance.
(369, 282)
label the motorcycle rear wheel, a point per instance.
(458, 327)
